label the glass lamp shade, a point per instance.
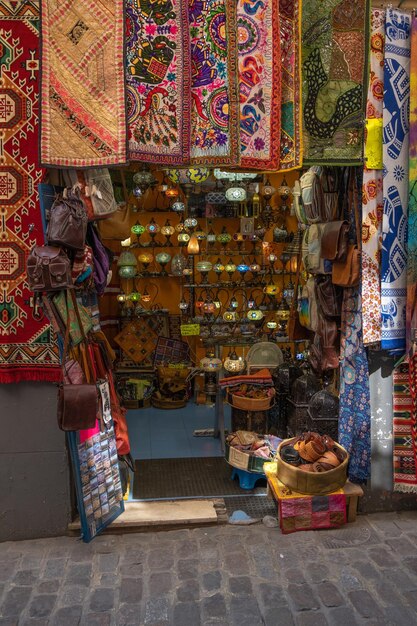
(271, 325)
(251, 303)
(187, 271)
(183, 305)
(236, 194)
(233, 363)
(179, 262)
(194, 175)
(190, 223)
(126, 243)
(145, 258)
(200, 234)
(193, 245)
(254, 315)
(127, 258)
(121, 297)
(180, 226)
(234, 304)
(230, 268)
(283, 311)
(272, 258)
(135, 296)
(260, 232)
(163, 258)
(211, 237)
(204, 267)
(242, 268)
(146, 297)
(127, 271)
(143, 179)
(178, 206)
(230, 316)
(254, 267)
(138, 229)
(167, 229)
(268, 190)
(283, 190)
(210, 364)
(183, 239)
(224, 237)
(153, 228)
(172, 192)
(208, 307)
(218, 267)
(239, 237)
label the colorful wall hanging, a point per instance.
(158, 82)
(395, 183)
(83, 113)
(372, 196)
(214, 83)
(404, 432)
(28, 350)
(259, 83)
(291, 119)
(334, 51)
(412, 200)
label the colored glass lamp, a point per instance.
(167, 230)
(200, 234)
(146, 296)
(190, 223)
(288, 293)
(242, 268)
(272, 258)
(204, 268)
(178, 206)
(284, 258)
(211, 238)
(127, 264)
(239, 239)
(138, 229)
(142, 180)
(282, 315)
(145, 259)
(153, 229)
(183, 239)
(224, 238)
(233, 363)
(218, 267)
(254, 267)
(230, 268)
(183, 306)
(193, 246)
(163, 258)
(268, 190)
(179, 262)
(254, 315)
(135, 296)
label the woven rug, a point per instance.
(259, 83)
(158, 82)
(372, 197)
(334, 57)
(27, 347)
(412, 200)
(395, 184)
(83, 116)
(291, 120)
(405, 472)
(214, 83)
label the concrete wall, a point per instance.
(34, 470)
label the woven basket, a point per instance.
(313, 483)
(252, 404)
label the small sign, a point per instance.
(189, 330)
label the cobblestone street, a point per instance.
(224, 575)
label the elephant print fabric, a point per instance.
(395, 182)
(158, 80)
(334, 51)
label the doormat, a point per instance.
(255, 506)
(186, 478)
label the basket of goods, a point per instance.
(172, 387)
(251, 397)
(249, 451)
(311, 463)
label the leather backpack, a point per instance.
(67, 225)
(48, 269)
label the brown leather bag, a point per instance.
(67, 225)
(347, 273)
(295, 330)
(328, 295)
(48, 269)
(334, 240)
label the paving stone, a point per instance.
(188, 591)
(294, 575)
(342, 616)
(8, 622)
(398, 615)
(160, 559)
(79, 573)
(366, 570)
(157, 611)
(131, 569)
(401, 579)
(72, 594)
(311, 618)
(160, 583)
(109, 579)
(128, 615)
(212, 580)
(16, 601)
(272, 596)
(272, 618)
(214, 606)
(303, 597)
(186, 613)
(411, 598)
(97, 619)
(67, 616)
(402, 546)
(317, 572)
(364, 603)
(54, 568)
(48, 586)
(42, 605)
(383, 557)
(349, 581)
(186, 549)
(101, 599)
(236, 563)
(240, 585)
(131, 590)
(329, 595)
(108, 562)
(26, 577)
(244, 611)
(187, 569)
(7, 569)
(387, 594)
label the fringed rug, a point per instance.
(158, 82)
(334, 55)
(259, 83)
(27, 347)
(372, 196)
(395, 184)
(405, 469)
(83, 116)
(291, 156)
(214, 83)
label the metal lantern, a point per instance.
(236, 194)
(146, 296)
(233, 363)
(178, 264)
(211, 237)
(268, 190)
(142, 181)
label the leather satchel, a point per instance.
(77, 407)
(347, 273)
(67, 225)
(329, 296)
(334, 240)
(48, 269)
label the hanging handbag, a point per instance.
(334, 240)
(118, 225)
(67, 225)
(77, 405)
(347, 273)
(295, 330)
(48, 269)
(329, 296)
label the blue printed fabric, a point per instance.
(355, 407)
(395, 182)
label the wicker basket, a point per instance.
(252, 404)
(313, 483)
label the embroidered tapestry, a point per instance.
(395, 183)
(291, 121)
(354, 405)
(83, 112)
(158, 81)
(334, 51)
(259, 83)
(372, 197)
(412, 199)
(27, 347)
(405, 474)
(214, 82)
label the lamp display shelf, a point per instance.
(157, 275)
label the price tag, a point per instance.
(189, 330)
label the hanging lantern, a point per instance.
(121, 297)
(230, 316)
(268, 190)
(190, 223)
(211, 237)
(193, 245)
(233, 363)
(126, 243)
(242, 268)
(254, 315)
(210, 364)
(254, 267)
(224, 237)
(171, 193)
(183, 306)
(256, 203)
(142, 181)
(178, 206)
(187, 271)
(236, 194)
(234, 304)
(218, 267)
(179, 262)
(200, 234)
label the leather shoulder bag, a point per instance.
(48, 269)
(347, 273)
(67, 225)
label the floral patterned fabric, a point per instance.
(214, 82)
(355, 409)
(158, 81)
(395, 183)
(372, 196)
(259, 83)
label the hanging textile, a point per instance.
(395, 183)
(214, 83)
(291, 121)
(412, 201)
(372, 196)
(334, 56)
(27, 347)
(355, 409)
(83, 117)
(404, 432)
(158, 82)
(259, 83)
